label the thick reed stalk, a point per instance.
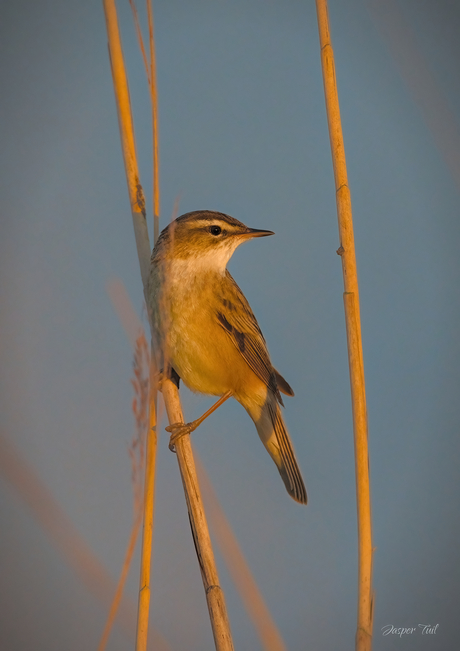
(214, 594)
(353, 326)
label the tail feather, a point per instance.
(275, 437)
(288, 468)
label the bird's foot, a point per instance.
(178, 430)
(181, 429)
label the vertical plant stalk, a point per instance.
(125, 123)
(266, 629)
(353, 326)
(121, 582)
(137, 201)
(147, 539)
(214, 594)
(140, 407)
(154, 103)
(149, 503)
(151, 72)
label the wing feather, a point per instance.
(240, 324)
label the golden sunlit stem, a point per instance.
(238, 568)
(353, 326)
(140, 40)
(154, 103)
(214, 593)
(147, 537)
(150, 71)
(137, 201)
(125, 123)
(121, 582)
(141, 401)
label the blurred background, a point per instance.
(243, 131)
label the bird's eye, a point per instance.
(215, 230)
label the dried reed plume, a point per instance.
(140, 406)
(65, 537)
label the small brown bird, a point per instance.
(206, 331)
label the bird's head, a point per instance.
(208, 237)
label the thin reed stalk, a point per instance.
(149, 486)
(137, 452)
(121, 582)
(151, 73)
(269, 635)
(154, 103)
(140, 40)
(137, 201)
(214, 594)
(149, 502)
(353, 326)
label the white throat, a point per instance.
(215, 260)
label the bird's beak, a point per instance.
(255, 232)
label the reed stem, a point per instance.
(353, 326)
(148, 512)
(137, 201)
(214, 593)
(269, 636)
(154, 103)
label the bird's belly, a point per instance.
(203, 355)
(204, 360)
(197, 346)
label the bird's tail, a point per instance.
(274, 435)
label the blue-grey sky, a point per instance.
(242, 130)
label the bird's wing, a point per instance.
(283, 386)
(237, 319)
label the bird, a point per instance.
(206, 334)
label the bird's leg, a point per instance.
(181, 429)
